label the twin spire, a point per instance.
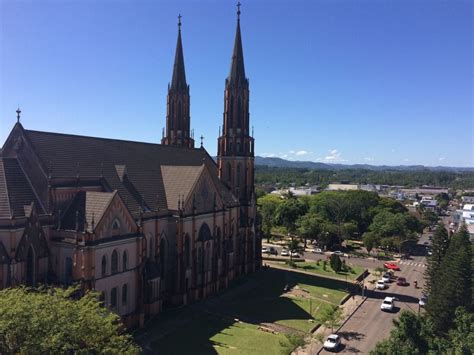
(178, 131)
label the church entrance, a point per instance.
(30, 267)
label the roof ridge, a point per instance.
(108, 139)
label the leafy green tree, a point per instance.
(335, 262)
(309, 226)
(371, 241)
(462, 334)
(293, 247)
(452, 286)
(332, 317)
(430, 217)
(440, 243)
(288, 212)
(57, 321)
(267, 206)
(409, 336)
(443, 200)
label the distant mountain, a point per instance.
(282, 163)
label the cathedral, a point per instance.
(146, 225)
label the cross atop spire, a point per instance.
(202, 140)
(238, 10)
(179, 21)
(18, 112)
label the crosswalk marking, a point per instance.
(412, 263)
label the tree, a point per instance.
(267, 207)
(443, 200)
(293, 247)
(332, 317)
(462, 335)
(371, 241)
(288, 212)
(452, 286)
(430, 217)
(409, 336)
(54, 320)
(336, 263)
(309, 226)
(440, 243)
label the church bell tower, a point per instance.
(178, 103)
(235, 147)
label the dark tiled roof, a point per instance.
(15, 190)
(142, 186)
(88, 209)
(179, 181)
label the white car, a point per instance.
(316, 251)
(388, 304)
(285, 252)
(422, 301)
(338, 252)
(332, 342)
(386, 278)
(381, 285)
(294, 254)
(264, 250)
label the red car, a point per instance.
(391, 266)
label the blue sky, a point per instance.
(366, 81)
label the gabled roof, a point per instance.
(86, 210)
(16, 192)
(67, 156)
(178, 182)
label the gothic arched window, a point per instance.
(237, 182)
(187, 251)
(163, 256)
(104, 266)
(114, 262)
(124, 294)
(113, 297)
(124, 261)
(229, 172)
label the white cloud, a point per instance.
(301, 152)
(442, 158)
(292, 152)
(369, 159)
(406, 159)
(334, 155)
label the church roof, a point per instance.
(133, 169)
(16, 193)
(179, 181)
(87, 209)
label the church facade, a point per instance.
(145, 225)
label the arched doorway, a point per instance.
(30, 267)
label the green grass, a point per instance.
(208, 334)
(260, 298)
(311, 266)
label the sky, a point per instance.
(336, 81)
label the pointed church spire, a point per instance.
(237, 69)
(179, 76)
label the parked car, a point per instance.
(381, 285)
(388, 304)
(386, 277)
(294, 254)
(264, 250)
(338, 252)
(333, 342)
(285, 252)
(423, 300)
(272, 251)
(317, 251)
(392, 266)
(401, 281)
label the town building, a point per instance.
(144, 224)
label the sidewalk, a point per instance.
(314, 346)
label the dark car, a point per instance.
(401, 281)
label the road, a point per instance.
(368, 325)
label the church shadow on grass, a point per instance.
(232, 319)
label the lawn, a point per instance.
(313, 267)
(210, 327)
(210, 334)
